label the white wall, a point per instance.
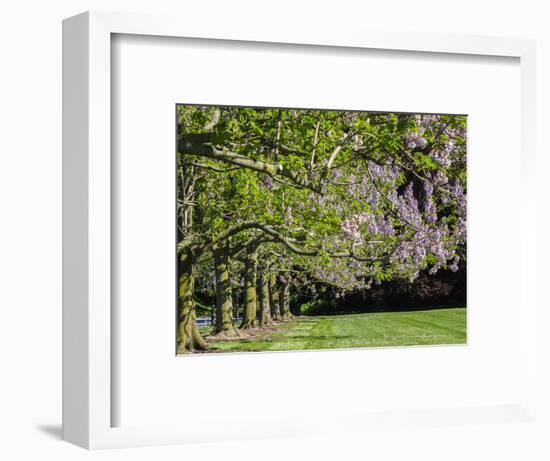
(30, 225)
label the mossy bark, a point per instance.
(250, 295)
(189, 338)
(265, 316)
(274, 297)
(284, 300)
(224, 302)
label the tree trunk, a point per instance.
(235, 295)
(265, 318)
(250, 305)
(274, 297)
(224, 302)
(284, 299)
(189, 338)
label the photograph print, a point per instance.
(308, 229)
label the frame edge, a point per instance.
(75, 260)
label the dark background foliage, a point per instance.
(444, 289)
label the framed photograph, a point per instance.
(272, 233)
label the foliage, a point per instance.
(384, 193)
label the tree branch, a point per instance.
(213, 168)
(338, 148)
(277, 236)
(191, 144)
(215, 119)
(199, 144)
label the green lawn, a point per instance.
(437, 326)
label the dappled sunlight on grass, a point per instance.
(442, 326)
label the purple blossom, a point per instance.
(336, 174)
(430, 213)
(454, 264)
(268, 181)
(425, 120)
(413, 140)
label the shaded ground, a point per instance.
(439, 326)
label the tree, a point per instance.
(250, 284)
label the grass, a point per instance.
(436, 326)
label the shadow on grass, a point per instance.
(319, 338)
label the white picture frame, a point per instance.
(87, 360)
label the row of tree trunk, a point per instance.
(266, 298)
